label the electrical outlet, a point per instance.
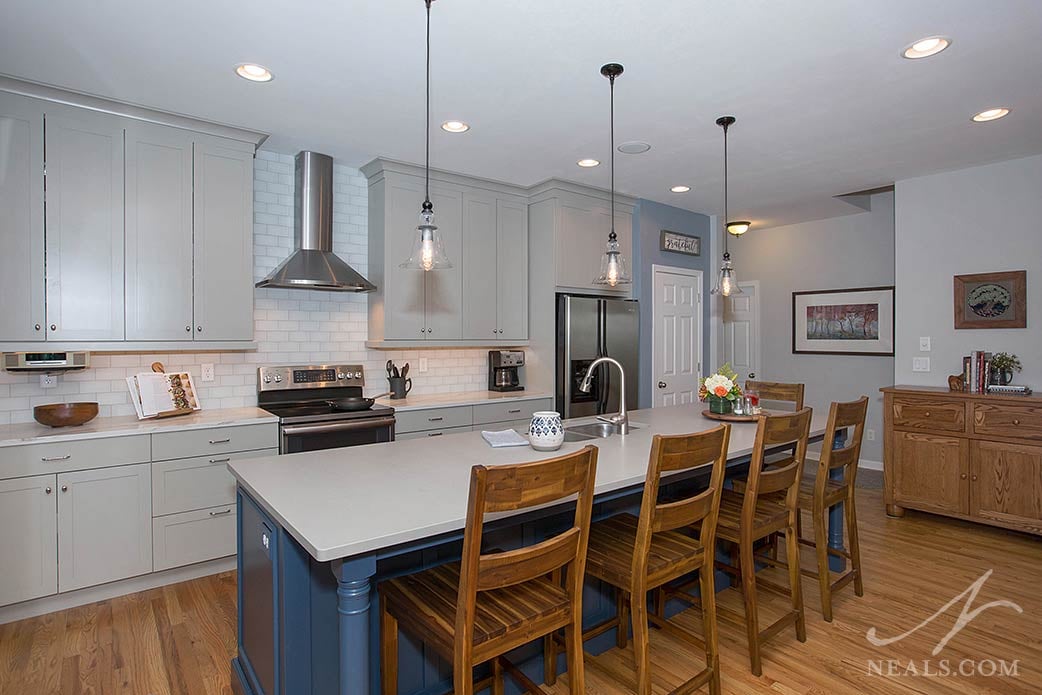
(924, 344)
(207, 372)
(920, 364)
(48, 381)
(423, 366)
(870, 435)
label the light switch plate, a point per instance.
(207, 372)
(423, 366)
(924, 344)
(920, 364)
(870, 435)
(48, 381)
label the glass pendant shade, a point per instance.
(614, 271)
(727, 284)
(428, 252)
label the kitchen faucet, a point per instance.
(620, 420)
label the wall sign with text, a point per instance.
(681, 243)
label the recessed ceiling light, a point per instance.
(924, 48)
(455, 127)
(634, 147)
(253, 72)
(991, 115)
(680, 189)
(587, 163)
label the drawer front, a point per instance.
(184, 485)
(1013, 421)
(432, 419)
(432, 433)
(190, 537)
(217, 440)
(929, 414)
(61, 457)
(506, 412)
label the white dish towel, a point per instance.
(504, 438)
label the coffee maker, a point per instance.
(503, 370)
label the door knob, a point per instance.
(662, 384)
(752, 375)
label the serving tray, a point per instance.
(728, 417)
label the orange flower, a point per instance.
(720, 391)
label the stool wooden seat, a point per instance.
(828, 490)
(768, 506)
(639, 554)
(478, 609)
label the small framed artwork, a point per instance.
(992, 300)
(857, 321)
(680, 243)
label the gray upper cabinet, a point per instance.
(158, 232)
(223, 251)
(483, 298)
(21, 222)
(84, 237)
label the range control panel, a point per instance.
(310, 377)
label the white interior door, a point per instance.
(742, 331)
(676, 335)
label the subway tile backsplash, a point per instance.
(290, 326)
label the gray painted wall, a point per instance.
(649, 219)
(841, 252)
(978, 220)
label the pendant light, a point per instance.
(727, 285)
(428, 253)
(613, 266)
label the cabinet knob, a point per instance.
(1016, 422)
(38, 326)
(199, 328)
(47, 489)
(974, 478)
(54, 327)
(963, 476)
(188, 329)
(926, 414)
(65, 488)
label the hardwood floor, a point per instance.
(178, 640)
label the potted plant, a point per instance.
(1002, 367)
(720, 389)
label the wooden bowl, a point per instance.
(65, 414)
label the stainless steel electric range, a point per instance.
(300, 396)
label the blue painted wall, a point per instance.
(649, 219)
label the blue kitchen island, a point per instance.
(318, 531)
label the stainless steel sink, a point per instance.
(593, 430)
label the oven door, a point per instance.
(333, 435)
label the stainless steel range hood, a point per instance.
(313, 265)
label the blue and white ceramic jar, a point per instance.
(547, 432)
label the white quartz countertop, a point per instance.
(34, 432)
(444, 400)
(344, 502)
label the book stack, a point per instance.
(976, 368)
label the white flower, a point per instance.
(717, 380)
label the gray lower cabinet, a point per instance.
(223, 232)
(104, 525)
(21, 222)
(195, 536)
(436, 422)
(84, 240)
(433, 433)
(28, 538)
(158, 232)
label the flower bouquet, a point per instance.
(721, 390)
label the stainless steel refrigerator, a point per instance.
(588, 328)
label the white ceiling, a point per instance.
(825, 104)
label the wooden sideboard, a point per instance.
(965, 455)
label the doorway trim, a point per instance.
(689, 272)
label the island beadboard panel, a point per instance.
(971, 456)
(290, 326)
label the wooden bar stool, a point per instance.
(826, 491)
(636, 555)
(480, 608)
(777, 391)
(768, 506)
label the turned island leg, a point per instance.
(354, 585)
